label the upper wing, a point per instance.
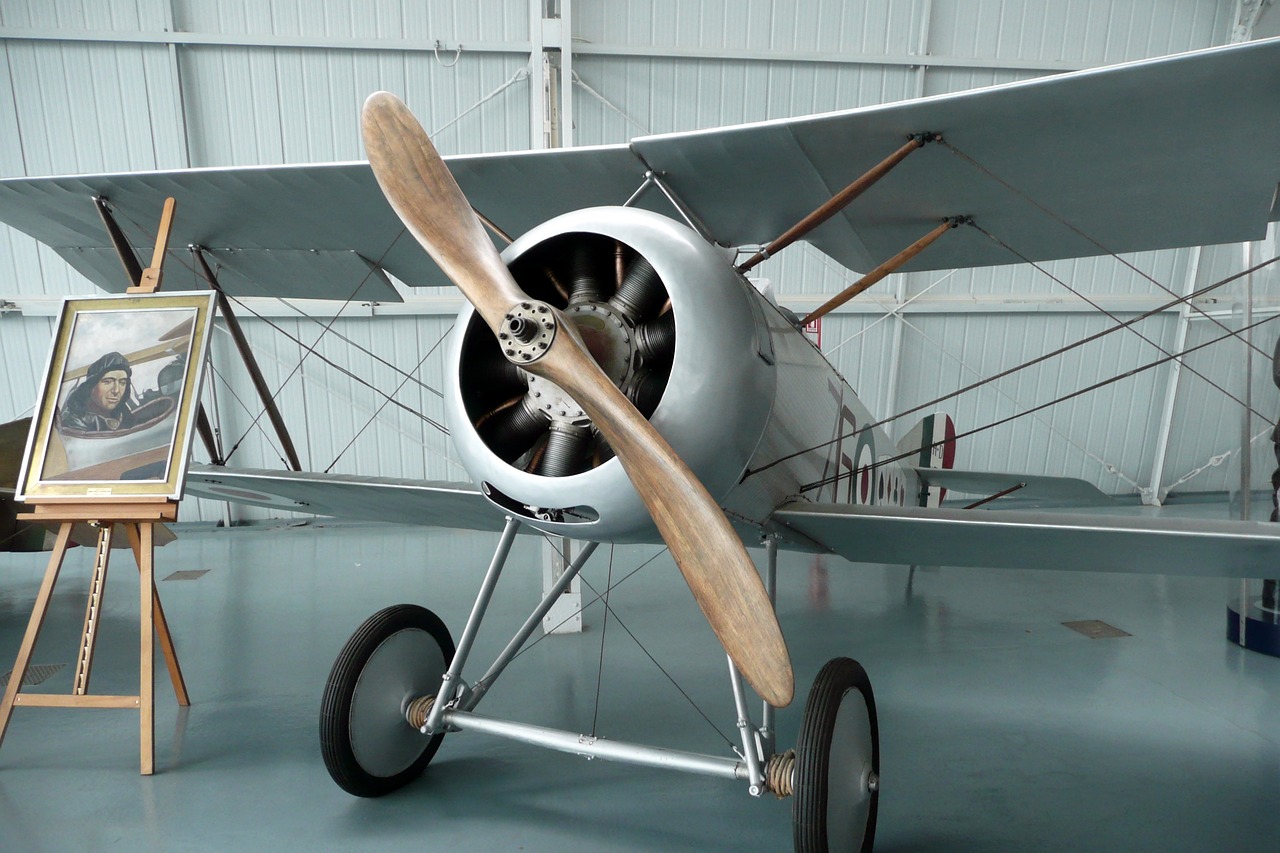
(1167, 152)
(1036, 540)
(321, 231)
(1175, 151)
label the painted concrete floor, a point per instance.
(1001, 730)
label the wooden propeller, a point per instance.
(540, 339)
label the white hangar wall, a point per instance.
(117, 85)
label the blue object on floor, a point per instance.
(1261, 629)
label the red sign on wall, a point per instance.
(814, 330)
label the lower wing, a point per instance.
(435, 504)
(1019, 539)
(1022, 539)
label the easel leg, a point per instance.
(33, 627)
(93, 611)
(146, 691)
(162, 631)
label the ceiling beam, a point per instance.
(272, 40)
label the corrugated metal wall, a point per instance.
(141, 84)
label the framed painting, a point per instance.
(117, 405)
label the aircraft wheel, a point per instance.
(396, 656)
(837, 773)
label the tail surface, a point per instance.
(932, 443)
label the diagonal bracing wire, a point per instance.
(1090, 239)
(1231, 333)
(1048, 424)
(232, 391)
(407, 375)
(890, 310)
(1094, 304)
(661, 668)
(390, 399)
(1032, 362)
(311, 349)
(600, 596)
(327, 328)
(604, 632)
(1215, 460)
(343, 370)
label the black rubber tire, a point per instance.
(841, 680)
(336, 736)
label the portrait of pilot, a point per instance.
(103, 401)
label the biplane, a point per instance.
(617, 377)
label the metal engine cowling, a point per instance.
(667, 318)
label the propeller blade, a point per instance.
(709, 554)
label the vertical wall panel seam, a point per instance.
(17, 115)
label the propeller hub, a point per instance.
(527, 332)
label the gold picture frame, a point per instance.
(117, 405)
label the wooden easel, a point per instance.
(138, 517)
(138, 520)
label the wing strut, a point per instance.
(884, 269)
(840, 200)
(250, 363)
(148, 281)
(132, 267)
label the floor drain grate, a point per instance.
(187, 575)
(1097, 630)
(36, 673)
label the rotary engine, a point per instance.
(667, 318)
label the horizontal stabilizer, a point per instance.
(1018, 539)
(1061, 491)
